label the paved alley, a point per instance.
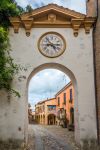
(42, 137)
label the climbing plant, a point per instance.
(7, 67)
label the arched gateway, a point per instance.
(55, 38)
(51, 119)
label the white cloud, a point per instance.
(78, 5)
(23, 3)
(45, 84)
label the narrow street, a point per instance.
(42, 137)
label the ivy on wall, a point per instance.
(7, 67)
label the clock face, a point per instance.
(51, 44)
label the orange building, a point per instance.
(58, 110)
(65, 104)
(50, 111)
(46, 112)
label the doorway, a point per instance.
(51, 119)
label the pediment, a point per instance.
(52, 15)
(53, 8)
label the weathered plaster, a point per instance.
(76, 61)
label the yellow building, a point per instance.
(46, 112)
(40, 112)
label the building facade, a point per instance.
(65, 104)
(40, 112)
(50, 111)
(58, 110)
(31, 115)
(46, 112)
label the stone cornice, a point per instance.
(52, 16)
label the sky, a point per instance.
(46, 84)
(77, 5)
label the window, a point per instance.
(58, 100)
(51, 107)
(71, 97)
(65, 98)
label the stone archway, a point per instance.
(76, 61)
(74, 82)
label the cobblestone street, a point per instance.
(51, 138)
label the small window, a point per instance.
(58, 100)
(65, 98)
(71, 96)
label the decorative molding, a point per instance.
(28, 25)
(88, 23)
(76, 23)
(53, 16)
(15, 21)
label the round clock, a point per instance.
(51, 44)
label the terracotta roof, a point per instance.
(45, 101)
(49, 99)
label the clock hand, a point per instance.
(54, 47)
(57, 44)
(51, 44)
(49, 41)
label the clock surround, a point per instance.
(51, 44)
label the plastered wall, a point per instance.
(76, 61)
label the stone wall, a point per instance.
(91, 8)
(97, 65)
(94, 10)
